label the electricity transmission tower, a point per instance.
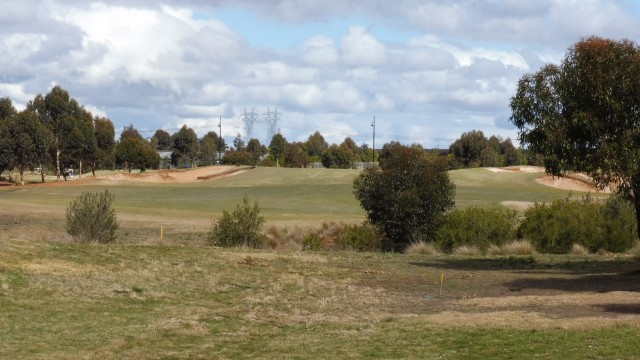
(272, 123)
(248, 119)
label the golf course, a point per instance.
(161, 292)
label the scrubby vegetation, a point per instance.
(477, 227)
(91, 218)
(240, 228)
(557, 227)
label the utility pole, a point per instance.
(374, 139)
(220, 142)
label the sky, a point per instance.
(427, 70)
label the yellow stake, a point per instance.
(441, 281)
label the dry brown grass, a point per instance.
(422, 248)
(578, 249)
(466, 250)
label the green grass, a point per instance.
(287, 197)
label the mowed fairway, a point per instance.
(176, 298)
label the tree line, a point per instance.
(54, 132)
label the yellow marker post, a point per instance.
(441, 281)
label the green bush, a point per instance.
(476, 227)
(240, 228)
(91, 218)
(555, 228)
(362, 237)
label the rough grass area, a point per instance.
(69, 301)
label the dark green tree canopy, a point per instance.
(584, 115)
(134, 152)
(161, 140)
(185, 147)
(407, 195)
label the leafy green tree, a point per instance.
(582, 115)
(256, 149)
(315, 146)
(238, 143)
(184, 146)
(406, 196)
(277, 148)
(208, 149)
(105, 144)
(30, 141)
(467, 149)
(60, 114)
(337, 157)
(510, 154)
(7, 116)
(82, 143)
(161, 140)
(295, 156)
(134, 152)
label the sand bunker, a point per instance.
(572, 181)
(176, 176)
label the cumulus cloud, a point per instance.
(360, 48)
(430, 69)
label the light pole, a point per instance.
(373, 124)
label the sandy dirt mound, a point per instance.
(527, 169)
(176, 176)
(574, 182)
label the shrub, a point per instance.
(554, 228)
(422, 248)
(91, 218)
(362, 237)
(240, 228)
(477, 227)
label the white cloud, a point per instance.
(360, 48)
(319, 51)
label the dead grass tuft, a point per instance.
(466, 250)
(422, 248)
(578, 249)
(518, 247)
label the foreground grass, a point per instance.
(69, 301)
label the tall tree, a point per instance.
(467, 149)
(584, 114)
(7, 116)
(238, 143)
(59, 113)
(31, 141)
(277, 148)
(256, 149)
(82, 143)
(295, 156)
(185, 147)
(134, 152)
(406, 196)
(315, 146)
(161, 140)
(105, 143)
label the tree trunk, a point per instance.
(58, 172)
(21, 171)
(80, 172)
(42, 174)
(636, 205)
